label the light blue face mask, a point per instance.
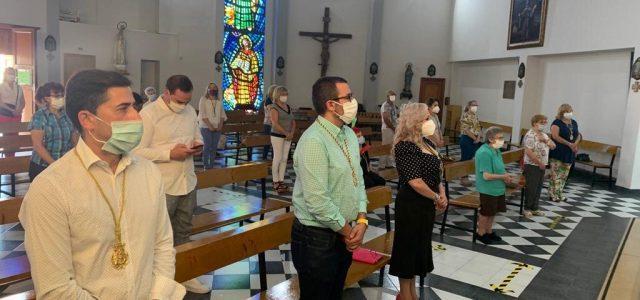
(125, 135)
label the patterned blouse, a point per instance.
(469, 122)
(537, 144)
(413, 163)
(58, 134)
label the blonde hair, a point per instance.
(279, 91)
(466, 108)
(538, 118)
(210, 86)
(409, 128)
(270, 91)
(564, 108)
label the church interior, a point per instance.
(503, 62)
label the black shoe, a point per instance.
(485, 239)
(494, 237)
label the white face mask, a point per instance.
(474, 109)
(350, 111)
(10, 78)
(56, 102)
(540, 127)
(361, 140)
(428, 128)
(568, 115)
(283, 99)
(498, 144)
(436, 109)
(392, 98)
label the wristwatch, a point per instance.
(437, 198)
(363, 221)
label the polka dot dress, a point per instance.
(412, 163)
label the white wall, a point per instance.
(303, 53)
(484, 81)
(29, 13)
(480, 28)
(98, 40)
(139, 14)
(416, 31)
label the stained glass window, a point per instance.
(242, 74)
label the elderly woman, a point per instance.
(211, 118)
(564, 132)
(389, 113)
(52, 133)
(470, 135)
(283, 127)
(434, 109)
(491, 181)
(536, 146)
(420, 193)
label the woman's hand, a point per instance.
(443, 202)
(574, 147)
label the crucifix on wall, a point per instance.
(325, 38)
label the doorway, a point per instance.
(433, 88)
(17, 50)
(149, 74)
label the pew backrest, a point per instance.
(9, 210)
(14, 127)
(598, 147)
(380, 150)
(233, 174)
(242, 128)
(379, 196)
(14, 165)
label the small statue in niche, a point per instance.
(119, 58)
(408, 76)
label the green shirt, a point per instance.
(489, 160)
(324, 194)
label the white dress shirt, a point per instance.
(163, 129)
(70, 231)
(212, 110)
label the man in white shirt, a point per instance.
(389, 114)
(11, 98)
(96, 221)
(171, 138)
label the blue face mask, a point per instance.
(125, 135)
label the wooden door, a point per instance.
(432, 88)
(77, 62)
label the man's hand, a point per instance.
(180, 152)
(354, 239)
(196, 148)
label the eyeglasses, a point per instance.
(347, 97)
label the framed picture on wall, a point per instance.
(527, 23)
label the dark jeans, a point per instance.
(468, 148)
(34, 170)
(534, 177)
(321, 259)
(265, 150)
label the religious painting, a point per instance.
(527, 23)
(243, 51)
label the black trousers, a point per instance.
(34, 170)
(322, 261)
(534, 178)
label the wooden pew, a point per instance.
(242, 117)
(378, 197)
(505, 129)
(249, 142)
(14, 127)
(199, 257)
(15, 143)
(9, 210)
(12, 166)
(599, 148)
(243, 210)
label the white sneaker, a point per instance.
(195, 286)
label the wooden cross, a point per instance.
(325, 38)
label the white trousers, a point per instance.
(280, 155)
(387, 139)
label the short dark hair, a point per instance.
(138, 101)
(431, 101)
(86, 90)
(324, 90)
(46, 89)
(179, 82)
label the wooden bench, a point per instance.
(13, 166)
(602, 149)
(244, 209)
(457, 170)
(248, 142)
(200, 257)
(9, 210)
(378, 197)
(380, 150)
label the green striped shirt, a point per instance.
(324, 194)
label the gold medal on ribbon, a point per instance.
(120, 257)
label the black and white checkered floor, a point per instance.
(533, 240)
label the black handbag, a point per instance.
(583, 157)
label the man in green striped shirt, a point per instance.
(329, 194)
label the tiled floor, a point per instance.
(533, 253)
